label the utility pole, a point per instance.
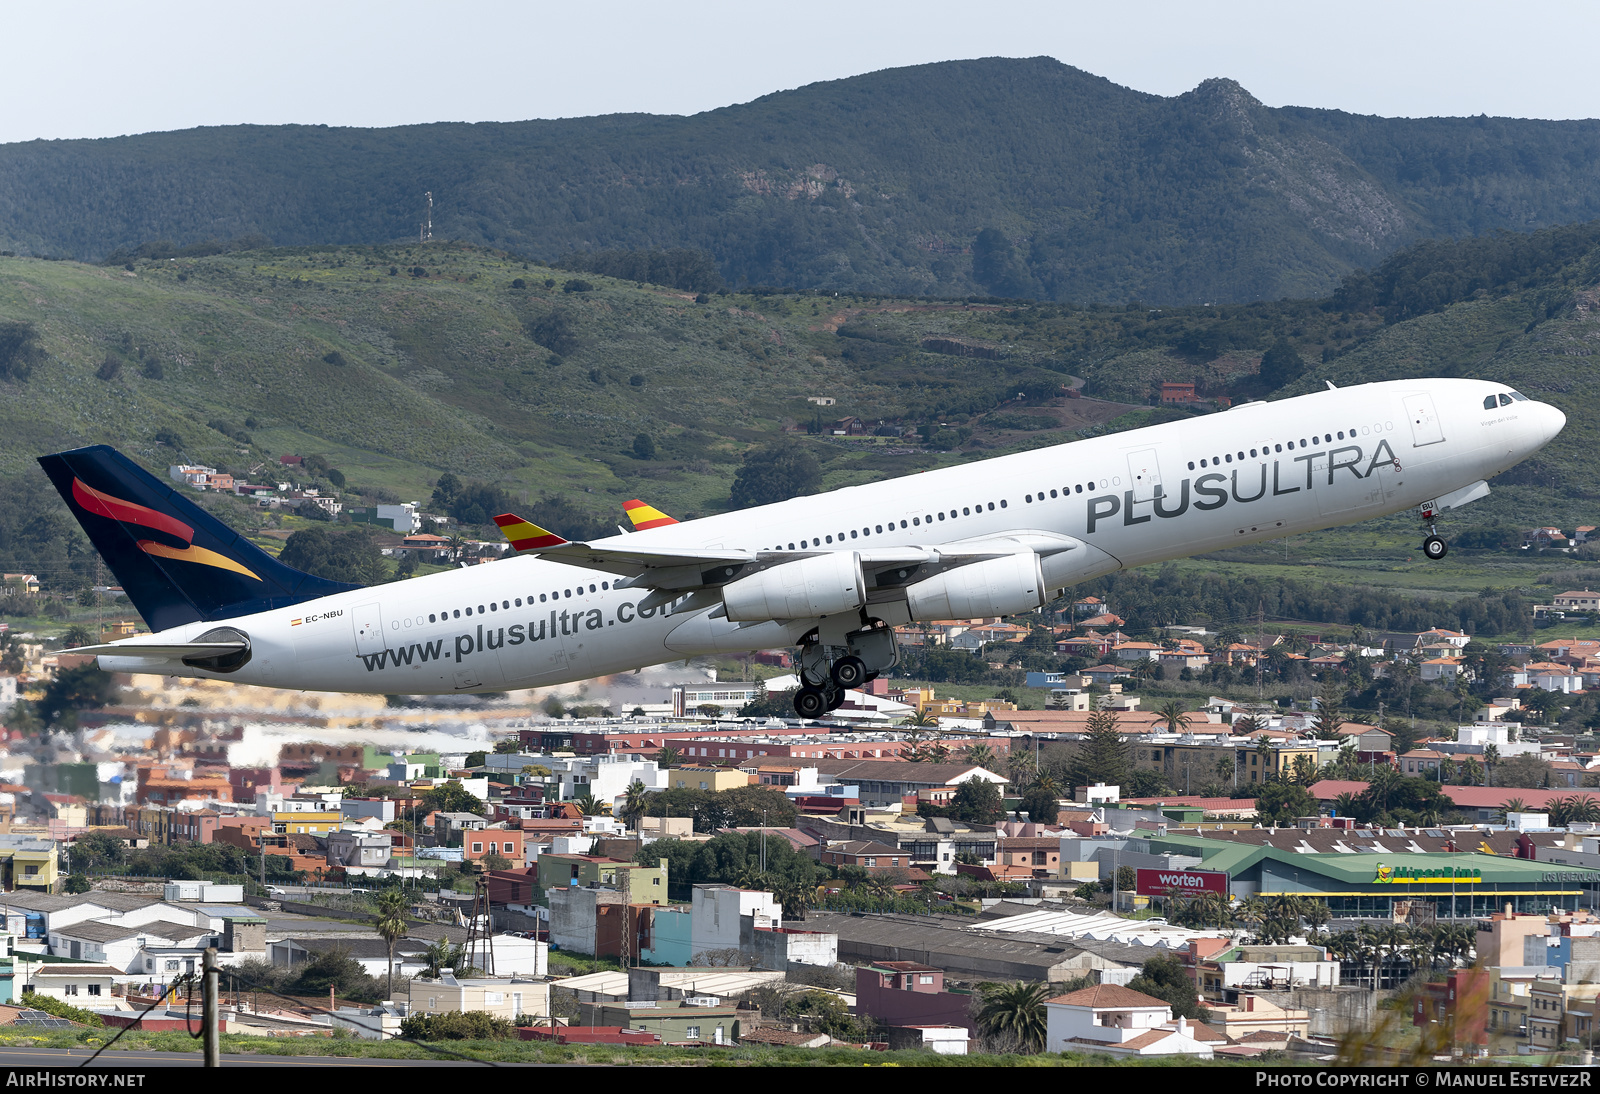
(209, 986)
(426, 233)
(625, 951)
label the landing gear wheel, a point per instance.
(835, 698)
(1435, 548)
(849, 672)
(810, 702)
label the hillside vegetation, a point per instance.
(1004, 177)
(569, 395)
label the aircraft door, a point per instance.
(368, 619)
(1144, 473)
(1425, 425)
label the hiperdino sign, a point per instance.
(1442, 875)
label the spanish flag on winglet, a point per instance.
(645, 516)
(524, 535)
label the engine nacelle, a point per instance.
(804, 589)
(1000, 586)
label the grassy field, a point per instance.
(531, 1052)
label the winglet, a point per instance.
(645, 516)
(525, 535)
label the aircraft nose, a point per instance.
(1549, 422)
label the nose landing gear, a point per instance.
(1433, 547)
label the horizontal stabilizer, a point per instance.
(524, 535)
(166, 651)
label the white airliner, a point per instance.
(832, 573)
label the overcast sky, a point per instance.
(95, 69)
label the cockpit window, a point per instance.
(1505, 400)
(1517, 395)
(1488, 403)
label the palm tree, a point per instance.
(440, 956)
(633, 803)
(588, 805)
(1016, 1010)
(1509, 806)
(391, 924)
(1173, 716)
(1491, 756)
(982, 755)
(668, 757)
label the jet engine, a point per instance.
(998, 586)
(807, 588)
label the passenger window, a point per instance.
(941, 514)
(431, 619)
(469, 611)
(965, 511)
(591, 588)
(493, 607)
(1028, 498)
(1052, 493)
(991, 507)
(541, 598)
(916, 520)
(1002, 503)
(852, 533)
(458, 612)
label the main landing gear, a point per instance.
(827, 671)
(1434, 547)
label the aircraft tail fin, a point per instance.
(177, 563)
(524, 535)
(645, 516)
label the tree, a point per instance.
(1280, 365)
(1015, 1011)
(1523, 771)
(633, 803)
(1041, 805)
(775, 472)
(667, 756)
(73, 690)
(391, 924)
(977, 801)
(348, 556)
(1167, 978)
(1102, 755)
(451, 797)
(19, 350)
(77, 883)
(644, 447)
(982, 755)
(1280, 803)
(1173, 716)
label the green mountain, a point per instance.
(400, 364)
(1012, 178)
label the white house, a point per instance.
(717, 910)
(87, 986)
(1119, 1021)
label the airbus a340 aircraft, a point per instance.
(833, 573)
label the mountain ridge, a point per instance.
(880, 183)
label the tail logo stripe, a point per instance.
(195, 554)
(104, 505)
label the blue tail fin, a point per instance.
(177, 563)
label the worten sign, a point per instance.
(1180, 882)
